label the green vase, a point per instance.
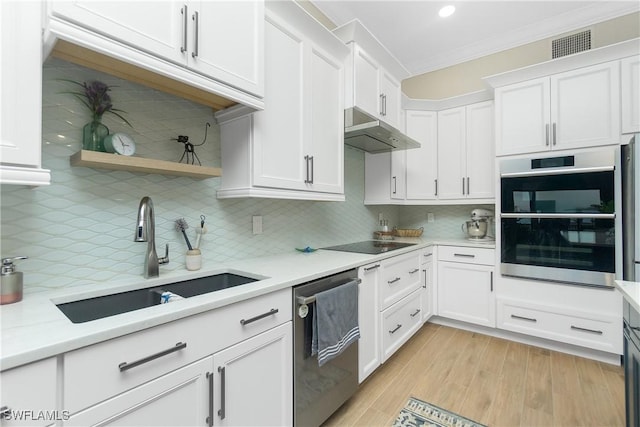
(93, 134)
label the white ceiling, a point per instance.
(422, 41)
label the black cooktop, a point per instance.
(370, 246)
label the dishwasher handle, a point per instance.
(311, 299)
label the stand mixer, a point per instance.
(481, 226)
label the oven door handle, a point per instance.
(545, 172)
(558, 215)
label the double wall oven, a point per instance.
(558, 218)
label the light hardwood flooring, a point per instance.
(490, 380)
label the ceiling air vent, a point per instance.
(568, 45)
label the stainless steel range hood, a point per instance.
(373, 135)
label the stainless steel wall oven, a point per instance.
(557, 218)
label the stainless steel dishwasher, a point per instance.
(319, 390)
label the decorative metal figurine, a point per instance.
(189, 148)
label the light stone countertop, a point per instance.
(35, 328)
(630, 291)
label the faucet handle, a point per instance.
(165, 258)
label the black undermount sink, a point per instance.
(89, 309)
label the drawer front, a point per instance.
(30, 387)
(100, 371)
(485, 256)
(596, 331)
(400, 322)
(399, 277)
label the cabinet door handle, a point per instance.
(210, 417)
(593, 331)
(244, 322)
(463, 185)
(125, 366)
(393, 280)
(465, 255)
(414, 271)
(222, 371)
(381, 104)
(530, 319)
(196, 19)
(555, 141)
(546, 134)
(309, 160)
(425, 279)
(183, 11)
(395, 185)
(394, 330)
(373, 267)
(414, 314)
(384, 97)
(436, 182)
(468, 186)
(491, 281)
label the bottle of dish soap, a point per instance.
(10, 281)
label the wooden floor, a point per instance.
(490, 380)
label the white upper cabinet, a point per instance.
(574, 109)
(465, 152)
(21, 94)
(630, 94)
(422, 163)
(375, 90)
(294, 148)
(222, 40)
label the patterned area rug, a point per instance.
(419, 413)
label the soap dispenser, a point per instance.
(10, 281)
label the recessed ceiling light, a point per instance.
(447, 11)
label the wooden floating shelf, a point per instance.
(95, 159)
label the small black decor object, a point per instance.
(189, 148)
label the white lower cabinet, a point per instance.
(253, 381)
(368, 315)
(21, 404)
(200, 370)
(465, 284)
(181, 397)
(399, 322)
(428, 280)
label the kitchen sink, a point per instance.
(89, 309)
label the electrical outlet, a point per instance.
(431, 217)
(257, 224)
(380, 217)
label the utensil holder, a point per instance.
(193, 259)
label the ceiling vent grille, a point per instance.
(568, 45)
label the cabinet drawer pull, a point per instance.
(223, 374)
(373, 267)
(530, 319)
(593, 331)
(258, 317)
(395, 329)
(183, 11)
(465, 255)
(210, 417)
(124, 366)
(393, 280)
(415, 313)
(414, 271)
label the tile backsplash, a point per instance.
(80, 229)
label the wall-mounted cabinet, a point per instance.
(630, 94)
(186, 33)
(295, 147)
(455, 163)
(575, 109)
(21, 94)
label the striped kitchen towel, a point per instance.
(335, 325)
